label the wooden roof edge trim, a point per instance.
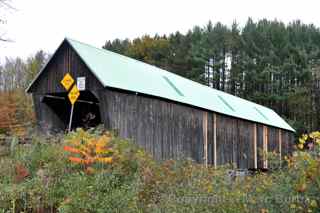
(27, 90)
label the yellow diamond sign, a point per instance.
(74, 94)
(67, 81)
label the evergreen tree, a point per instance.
(267, 62)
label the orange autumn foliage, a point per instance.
(7, 115)
(71, 149)
(16, 112)
(75, 160)
(88, 150)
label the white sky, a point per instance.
(42, 24)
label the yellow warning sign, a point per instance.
(67, 81)
(74, 94)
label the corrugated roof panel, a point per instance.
(118, 71)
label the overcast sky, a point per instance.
(42, 24)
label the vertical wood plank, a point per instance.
(235, 143)
(205, 137)
(255, 153)
(267, 141)
(265, 146)
(215, 140)
(280, 144)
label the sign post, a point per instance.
(73, 95)
(70, 120)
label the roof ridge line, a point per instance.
(115, 53)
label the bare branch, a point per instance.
(5, 40)
(7, 5)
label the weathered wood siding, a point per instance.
(235, 144)
(245, 144)
(287, 146)
(210, 133)
(273, 146)
(273, 137)
(226, 140)
(166, 130)
(65, 60)
(260, 145)
(174, 131)
(276, 138)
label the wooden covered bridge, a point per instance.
(168, 115)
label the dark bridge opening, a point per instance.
(86, 112)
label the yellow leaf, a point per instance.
(300, 146)
(105, 160)
(293, 206)
(301, 141)
(314, 204)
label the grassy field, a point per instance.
(93, 171)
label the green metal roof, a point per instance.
(118, 71)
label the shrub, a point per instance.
(89, 151)
(41, 178)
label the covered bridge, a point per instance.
(168, 115)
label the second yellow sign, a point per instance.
(74, 94)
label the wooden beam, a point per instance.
(215, 140)
(64, 98)
(265, 147)
(205, 137)
(280, 146)
(255, 153)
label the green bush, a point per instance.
(40, 178)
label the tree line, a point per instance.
(268, 62)
(16, 73)
(16, 107)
